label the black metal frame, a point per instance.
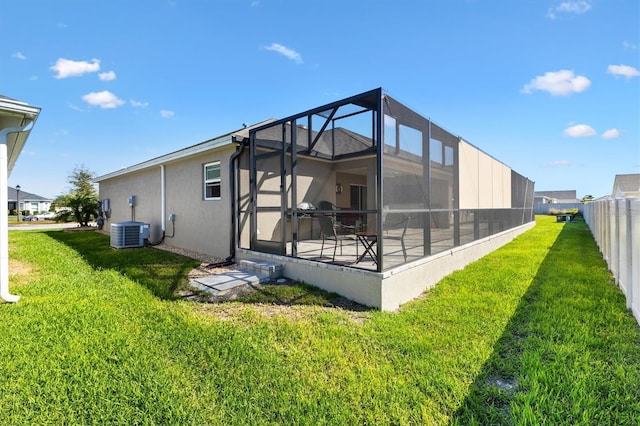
(289, 143)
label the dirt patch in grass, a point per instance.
(279, 298)
(241, 311)
(272, 299)
(17, 268)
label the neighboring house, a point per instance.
(554, 202)
(626, 186)
(406, 201)
(555, 197)
(29, 202)
(16, 122)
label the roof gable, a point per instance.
(558, 195)
(24, 195)
(624, 184)
(208, 145)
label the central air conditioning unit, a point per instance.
(129, 234)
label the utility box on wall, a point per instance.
(129, 234)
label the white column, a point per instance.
(4, 228)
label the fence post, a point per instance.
(629, 249)
(607, 234)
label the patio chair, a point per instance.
(402, 224)
(328, 205)
(331, 230)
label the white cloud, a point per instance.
(623, 70)
(558, 163)
(579, 131)
(68, 68)
(104, 99)
(629, 46)
(577, 7)
(74, 107)
(107, 76)
(138, 104)
(33, 78)
(164, 113)
(611, 134)
(285, 51)
(19, 55)
(574, 7)
(563, 82)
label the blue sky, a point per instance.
(551, 88)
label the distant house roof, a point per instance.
(562, 196)
(626, 186)
(24, 195)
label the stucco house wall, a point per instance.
(145, 186)
(200, 225)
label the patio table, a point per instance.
(368, 239)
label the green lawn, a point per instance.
(534, 333)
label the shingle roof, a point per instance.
(558, 195)
(627, 183)
(24, 195)
(331, 143)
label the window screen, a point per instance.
(212, 181)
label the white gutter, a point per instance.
(4, 214)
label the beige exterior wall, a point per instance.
(468, 179)
(484, 179)
(201, 225)
(506, 186)
(343, 200)
(485, 183)
(145, 185)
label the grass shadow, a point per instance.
(166, 275)
(554, 358)
(295, 293)
(159, 271)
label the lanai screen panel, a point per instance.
(406, 187)
(420, 186)
(293, 166)
(443, 165)
(413, 187)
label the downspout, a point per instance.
(163, 207)
(163, 199)
(4, 214)
(232, 189)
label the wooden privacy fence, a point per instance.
(615, 225)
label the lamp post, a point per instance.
(18, 201)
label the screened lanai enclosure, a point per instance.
(368, 183)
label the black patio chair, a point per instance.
(339, 217)
(331, 230)
(404, 223)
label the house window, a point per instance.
(212, 181)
